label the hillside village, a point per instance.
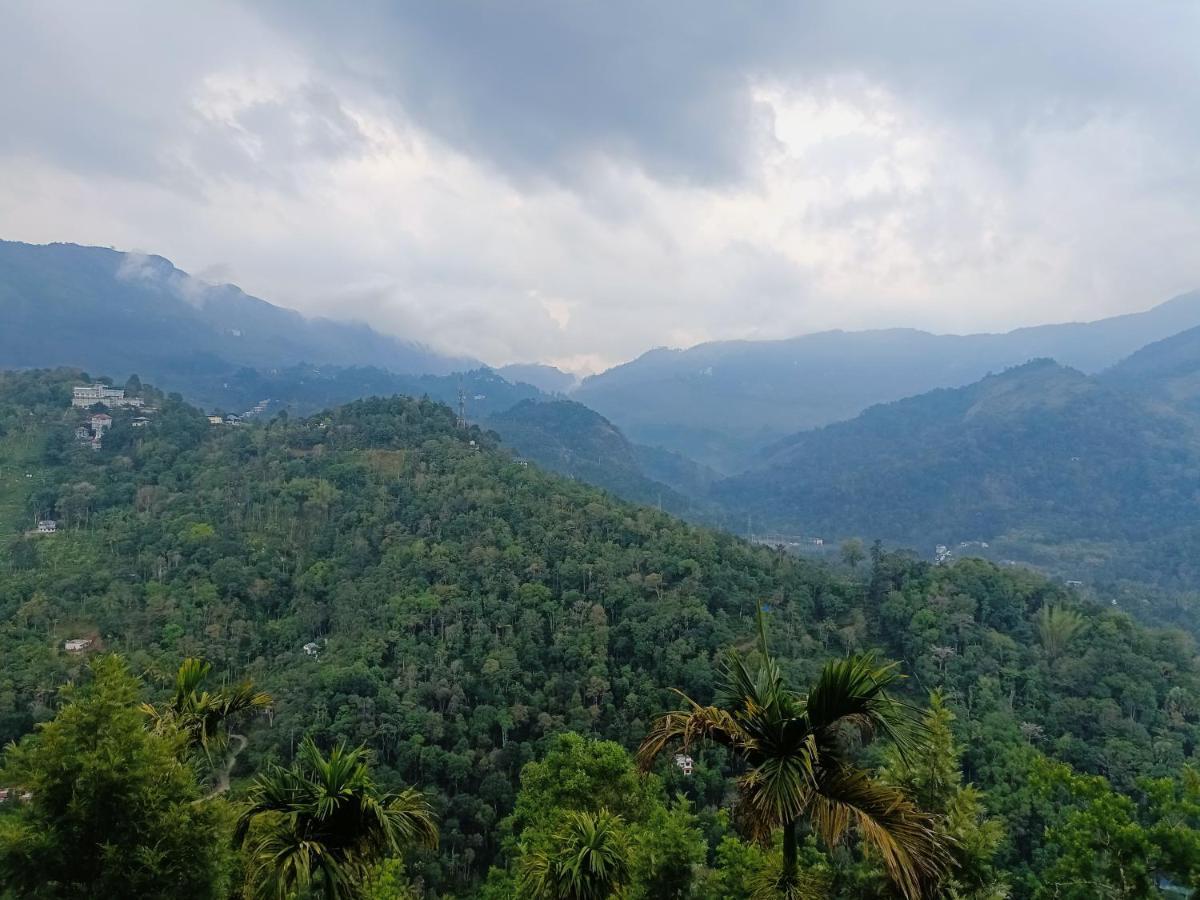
(90, 396)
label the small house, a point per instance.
(83, 433)
(101, 422)
(215, 420)
(684, 762)
(77, 645)
(5, 793)
(140, 422)
(47, 526)
(312, 648)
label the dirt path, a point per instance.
(223, 774)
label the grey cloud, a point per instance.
(541, 88)
(610, 160)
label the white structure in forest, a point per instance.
(684, 762)
(90, 394)
(77, 645)
(47, 526)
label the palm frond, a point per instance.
(908, 841)
(688, 728)
(854, 692)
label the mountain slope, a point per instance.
(718, 402)
(1167, 371)
(570, 439)
(103, 310)
(464, 609)
(545, 378)
(1041, 449)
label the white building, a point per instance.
(86, 395)
(312, 648)
(77, 645)
(684, 762)
(101, 422)
(47, 526)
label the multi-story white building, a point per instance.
(90, 394)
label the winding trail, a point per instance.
(223, 774)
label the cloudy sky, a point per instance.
(577, 182)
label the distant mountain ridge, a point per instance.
(721, 402)
(104, 310)
(1044, 458)
(570, 439)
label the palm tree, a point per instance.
(1057, 627)
(321, 825)
(204, 716)
(798, 768)
(587, 858)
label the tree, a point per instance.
(1057, 626)
(322, 825)
(853, 552)
(667, 850)
(1095, 846)
(585, 858)
(113, 809)
(204, 717)
(799, 766)
(929, 772)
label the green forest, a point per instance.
(369, 653)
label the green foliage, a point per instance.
(113, 811)
(586, 857)
(799, 769)
(930, 773)
(464, 610)
(580, 784)
(322, 825)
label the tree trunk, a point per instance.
(789, 852)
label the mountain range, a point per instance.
(722, 402)
(1085, 459)
(107, 311)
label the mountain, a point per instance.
(721, 402)
(572, 440)
(103, 310)
(398, 582)
(545, 378)
(306, 389)
(1040, 454)
(1167, 371)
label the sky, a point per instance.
(578, 182)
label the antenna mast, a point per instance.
(462, 405)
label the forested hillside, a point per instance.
(568, 438)
(1089, 475)
(462, 611)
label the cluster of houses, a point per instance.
(10, 793)
(88, 395)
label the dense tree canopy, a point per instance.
(397, 582)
